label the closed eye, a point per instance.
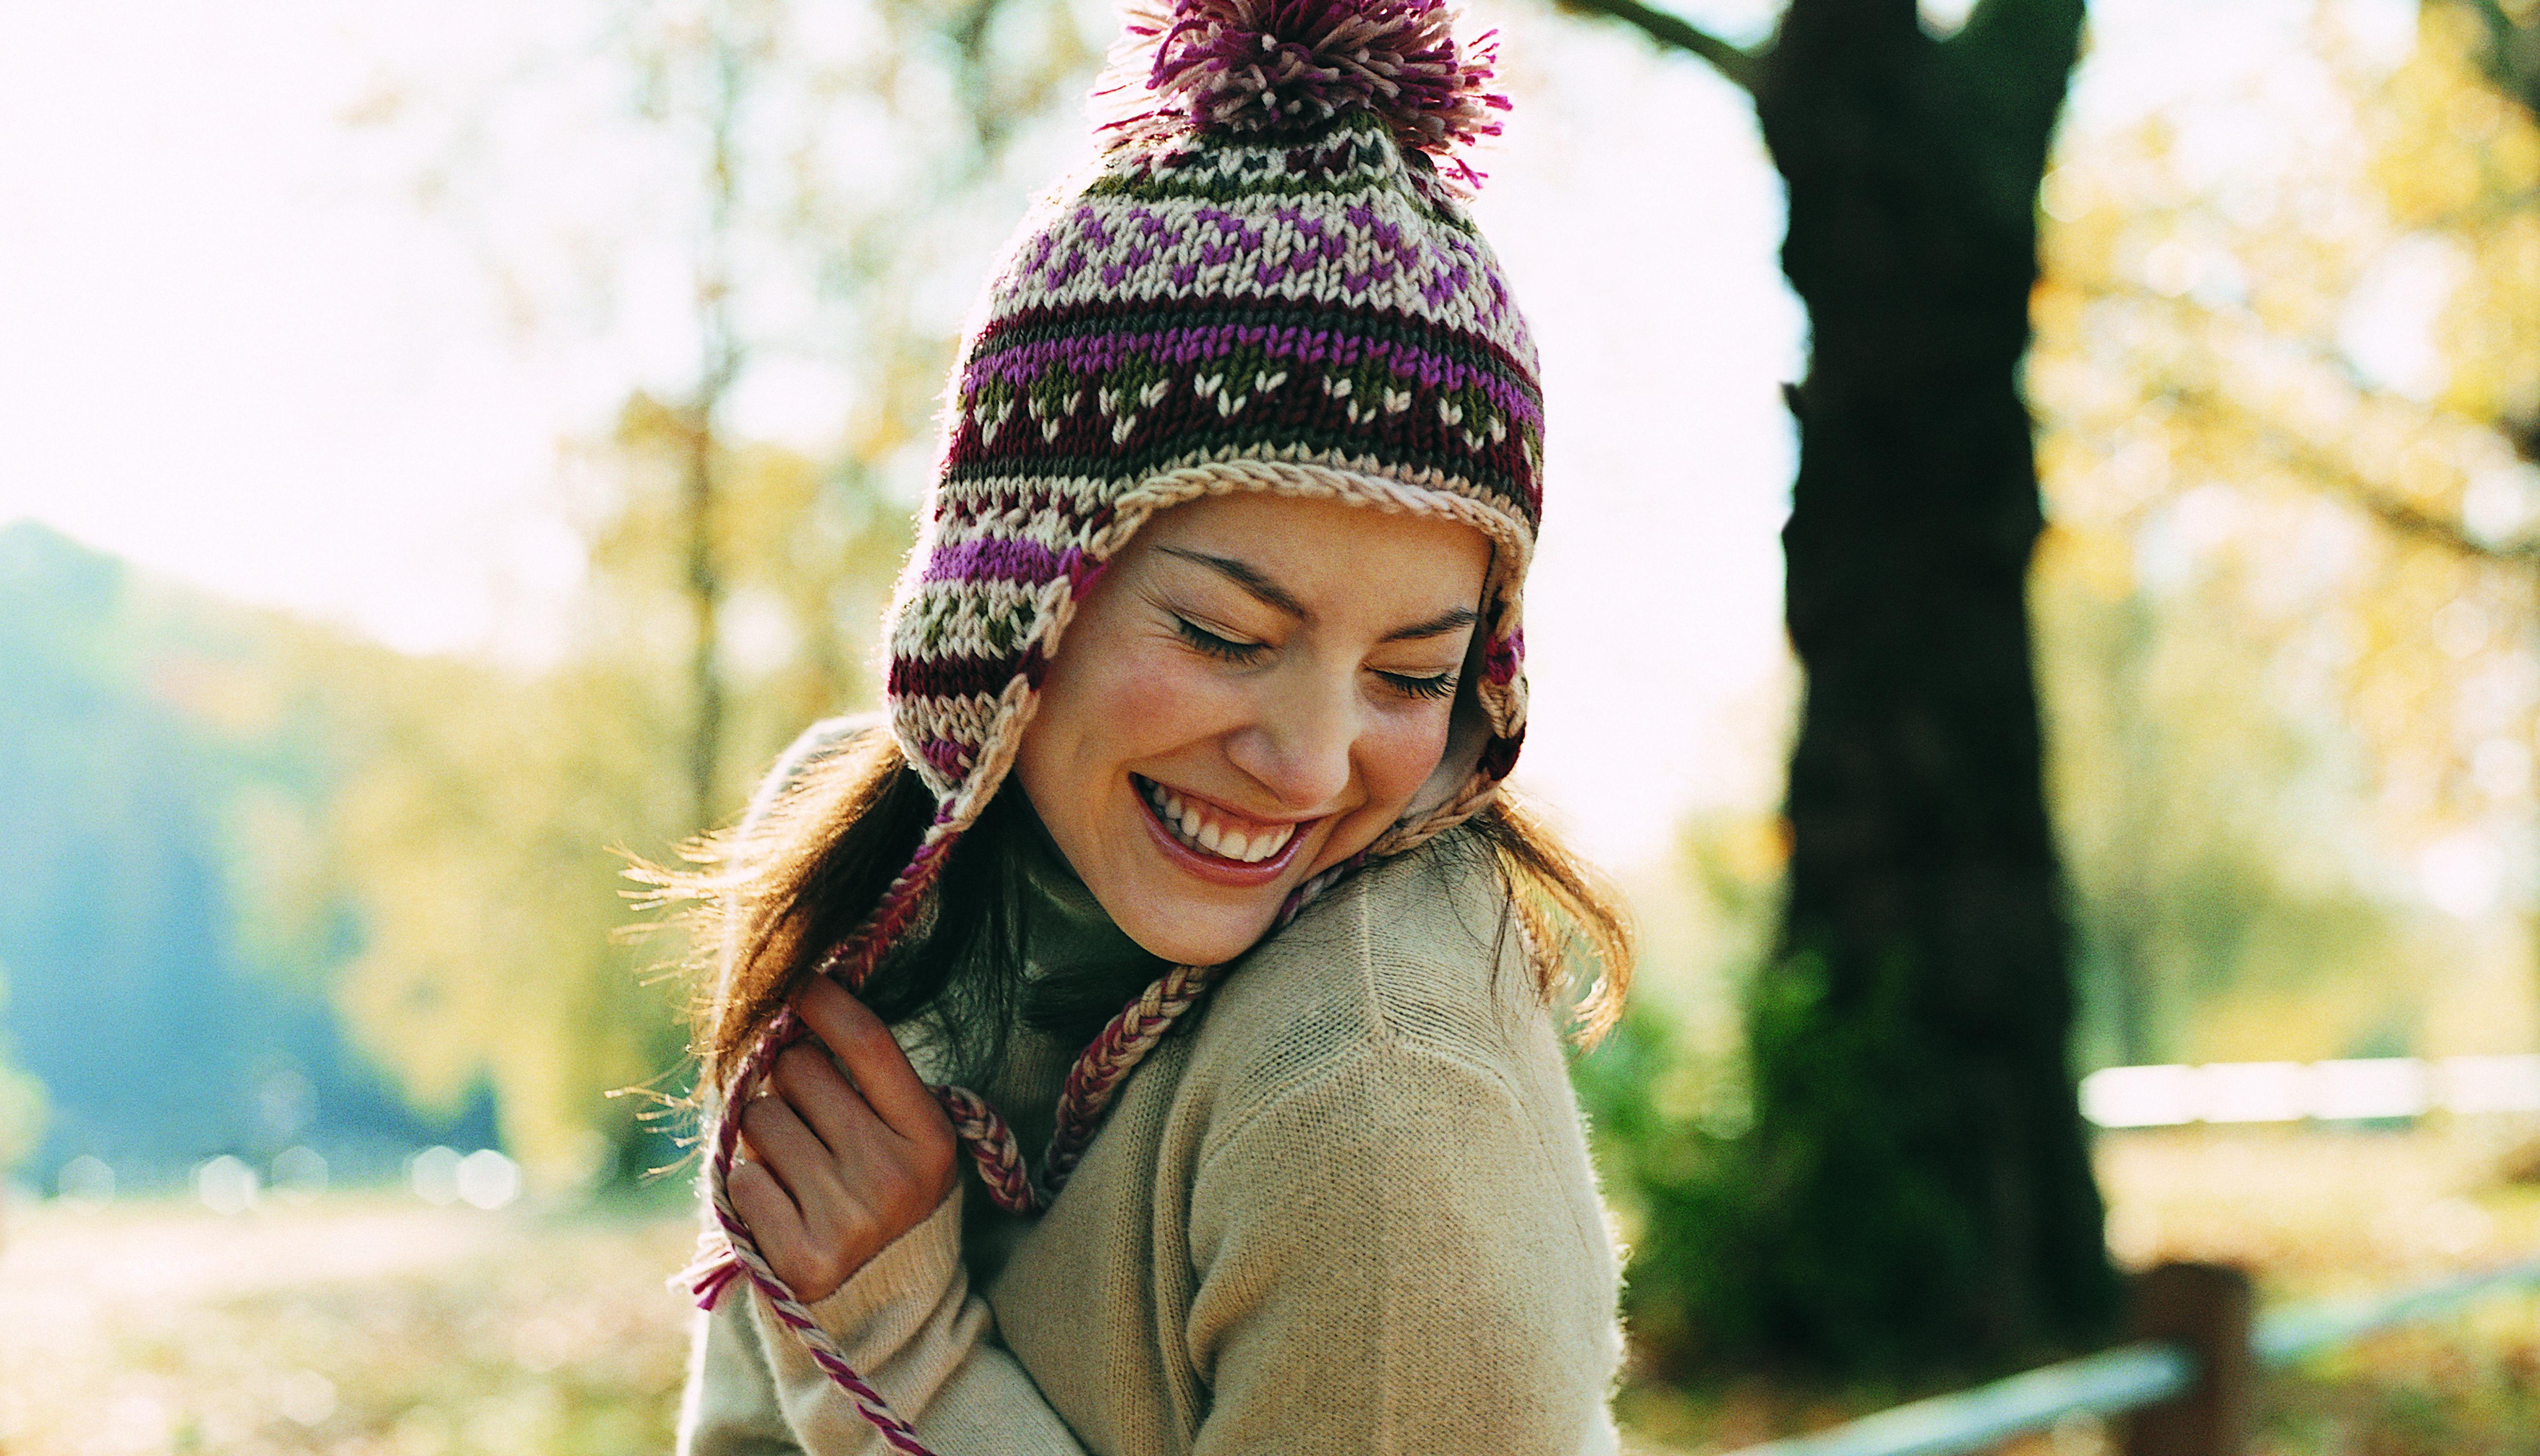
(1223, 649)
(1441, 686)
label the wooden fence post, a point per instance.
(2206, 1308)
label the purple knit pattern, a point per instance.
(1431, 358)
(1270, 283)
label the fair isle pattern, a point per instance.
(1317, 304)
(1299, 309)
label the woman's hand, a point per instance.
(835, 1165)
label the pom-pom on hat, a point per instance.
(1258, 66)
(1268, 281)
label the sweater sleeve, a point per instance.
(911, 1328)
(1405, 1254)
(906, 1321)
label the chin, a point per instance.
(1193, 936)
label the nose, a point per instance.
(1301, 734)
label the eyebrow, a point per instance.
(1270, 593)
(1450, 620)
(1246, 576)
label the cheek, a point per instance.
(1401, 750)
(1135, 699)
(1162, 697)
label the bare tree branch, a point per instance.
(2523, 436)
(1737, 64)
(2425, 525)
(2403, 516)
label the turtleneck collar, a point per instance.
(1067, 934)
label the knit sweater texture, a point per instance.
(1350, 1211)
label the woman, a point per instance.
(1203, 681)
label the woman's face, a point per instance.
(1251, 694)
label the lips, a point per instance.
(1279, 845)
(1205, 829)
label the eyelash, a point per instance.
(1214, 646)
(1228, 651)
(1441, 686)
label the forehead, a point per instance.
(1319, 548)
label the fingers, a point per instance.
(843, 1156)
(790, 1154)
(762, 1201)
(772, 1216)
(890, 1086)
(802, 1257)
(823, 1098)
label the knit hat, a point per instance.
(1267, 282)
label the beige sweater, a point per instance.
(1349, 1212)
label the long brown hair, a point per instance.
(767, 902)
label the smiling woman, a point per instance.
(1183, 856)
(1251, 695)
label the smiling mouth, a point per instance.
(1204, 830)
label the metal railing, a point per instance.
(2109, 1383)
(2210, 1369)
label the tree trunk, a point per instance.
(728, 66)
(702, 580)
(1926, 1194)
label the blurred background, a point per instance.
(450, 447)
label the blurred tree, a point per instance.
(2287, 392)
(826, 171)
(471, 833)
(814, 176)
(1920, 1192)
(2506, 48)
(2217, 837)
(168, 952)
(480, 808)
(731, 46)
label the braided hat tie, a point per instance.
(1269, 282)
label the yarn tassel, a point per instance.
(715, 1267)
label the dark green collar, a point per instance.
(1067, 936)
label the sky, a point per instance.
(244, 353)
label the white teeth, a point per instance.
(1263, 845)
(1198, 832)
